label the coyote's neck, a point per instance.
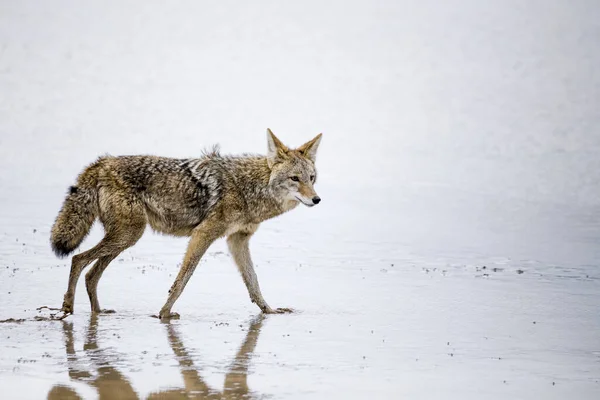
(252, 176)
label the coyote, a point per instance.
(204, 198)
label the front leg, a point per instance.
(202, 237)
(238, 244)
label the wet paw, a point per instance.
(60, 314)
(281, 310)
(166, 317)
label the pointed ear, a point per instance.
(276, 150)
(309, 149)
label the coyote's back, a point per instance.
(174, 194)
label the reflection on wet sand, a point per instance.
(109, 383)
(236, 380)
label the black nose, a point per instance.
(316, 199)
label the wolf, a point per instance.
(203, 198)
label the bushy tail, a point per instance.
(74, 220)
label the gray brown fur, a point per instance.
(204, 198)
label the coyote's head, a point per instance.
(293, 171)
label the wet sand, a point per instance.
(455, 252)
(397, 325)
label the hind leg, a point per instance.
(127, 237)
(78, 263)
(91, 282)
(124, 221)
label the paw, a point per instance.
(60, 314)
(166, 316)
(105, 311)
(67, 308)
(281, 310)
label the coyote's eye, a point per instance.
(312, 178)
(295, 178)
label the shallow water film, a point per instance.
(455, 253)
